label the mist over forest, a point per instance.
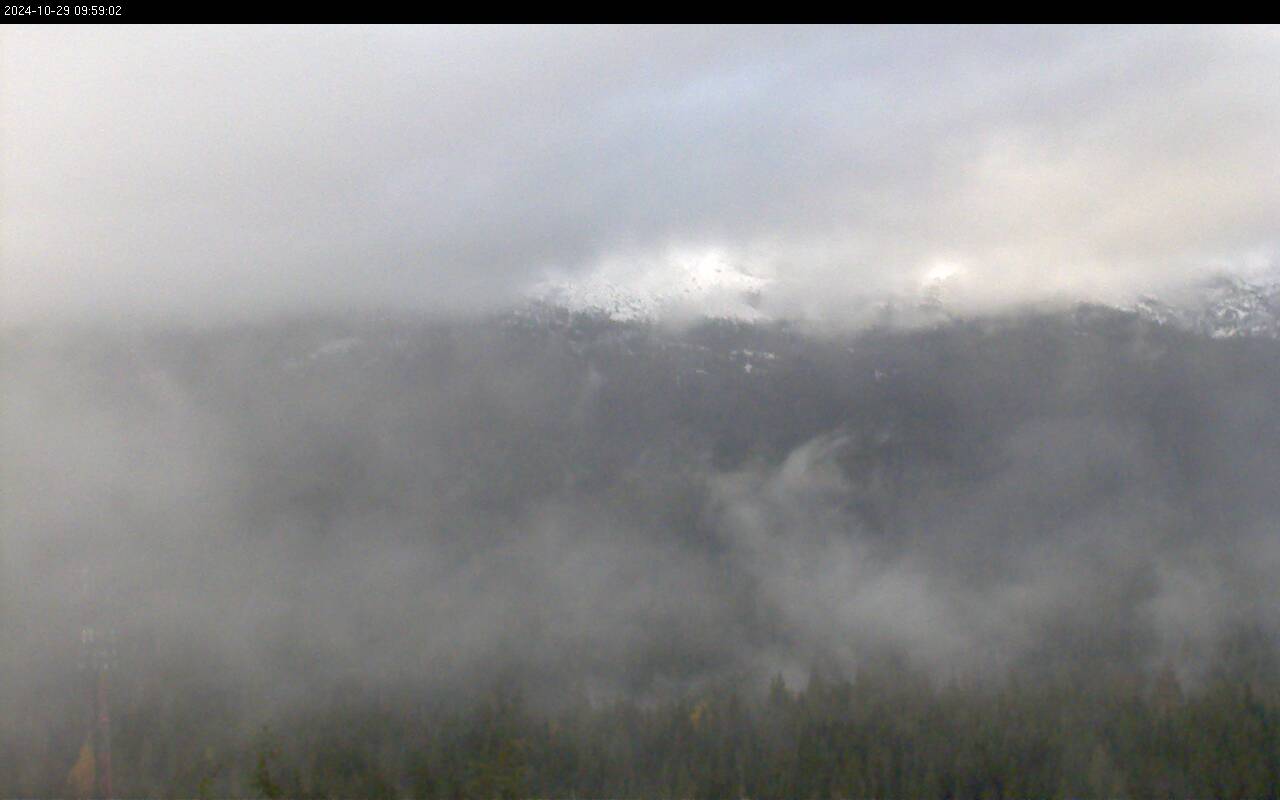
(672, 412)
(580, 510)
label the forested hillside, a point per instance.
(553, 554)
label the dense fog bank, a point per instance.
(586, 508)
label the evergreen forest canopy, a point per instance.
(553, 554)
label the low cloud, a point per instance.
(205, 173)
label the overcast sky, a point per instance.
(203, 172)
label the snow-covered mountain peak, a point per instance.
(702, 285)
(1224, 306)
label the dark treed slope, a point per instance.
(314, 523)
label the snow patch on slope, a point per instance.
(1224, 307)
(683, 285)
